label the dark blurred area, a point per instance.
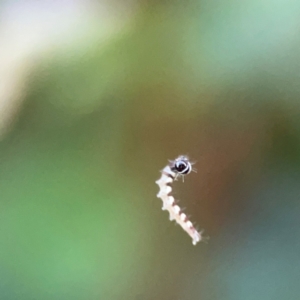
(96, 96)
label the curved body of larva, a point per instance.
(179, 167)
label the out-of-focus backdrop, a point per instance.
(96, 96)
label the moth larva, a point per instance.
(180, 167)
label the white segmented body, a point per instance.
(169, 174)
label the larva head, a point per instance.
(182, 166)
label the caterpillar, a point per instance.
(179, 167)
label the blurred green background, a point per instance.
(96, 96)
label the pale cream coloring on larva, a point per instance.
(180, 167)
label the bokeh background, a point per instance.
(96, 96)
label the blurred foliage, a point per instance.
(79, 214)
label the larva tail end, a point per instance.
(200, 238)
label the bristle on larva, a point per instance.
(177, 168)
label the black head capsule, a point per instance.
(181, 166)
